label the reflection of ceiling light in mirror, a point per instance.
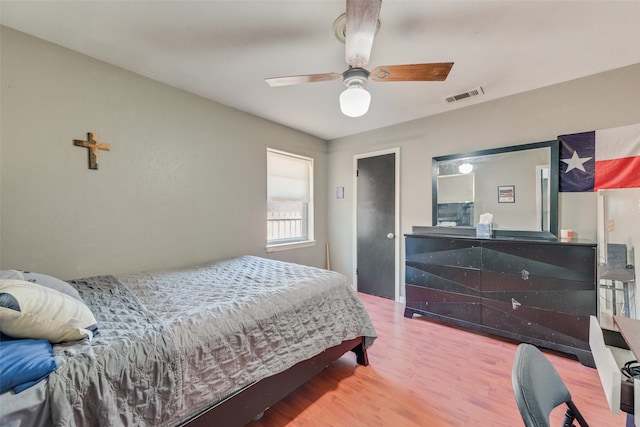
(465, 168)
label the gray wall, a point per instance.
(597, 102)
(184, 182)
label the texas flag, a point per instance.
(600, 159)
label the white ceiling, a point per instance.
(223, 50)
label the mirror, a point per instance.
(517, 184)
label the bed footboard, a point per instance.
(248, 403)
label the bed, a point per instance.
(214, 344)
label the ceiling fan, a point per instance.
(361, 24)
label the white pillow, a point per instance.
(11, 274)
(29, 310)
(42, 279)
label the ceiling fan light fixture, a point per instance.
(362, 18)
(355, 100)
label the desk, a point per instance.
(630, 331)
(623, 333)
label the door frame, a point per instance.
(396, 231)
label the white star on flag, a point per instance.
(575, 162)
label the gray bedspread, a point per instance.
(172, 343)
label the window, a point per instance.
(289, 200)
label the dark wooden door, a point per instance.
(375, 220)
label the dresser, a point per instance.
(535, 291)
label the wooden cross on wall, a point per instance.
(93, 145)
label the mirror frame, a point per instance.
(554, 175)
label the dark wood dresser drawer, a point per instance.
(539, 292)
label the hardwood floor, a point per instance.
(423, 373)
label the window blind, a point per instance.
(288, 177)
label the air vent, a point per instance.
(473, 92)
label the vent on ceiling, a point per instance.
(473, 92)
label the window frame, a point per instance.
(309, 239)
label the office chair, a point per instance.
(539, 389)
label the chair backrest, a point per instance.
(537, 386)
(617, 255)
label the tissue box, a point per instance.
(484, 230)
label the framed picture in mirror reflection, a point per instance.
(506, 194)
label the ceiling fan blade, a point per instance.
(361, 26)
(411, 72)
(294, 80)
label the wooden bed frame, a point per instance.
(250, 402)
